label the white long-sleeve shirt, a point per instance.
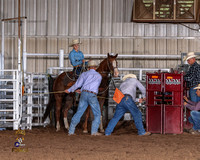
(130, 85)
(89, 80)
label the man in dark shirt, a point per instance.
(195, 112)
(193, 76)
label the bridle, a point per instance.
(110, 73)
(114, 67)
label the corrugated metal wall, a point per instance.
(102, 25)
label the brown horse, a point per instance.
(107, 68)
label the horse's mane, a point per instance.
(102, 65)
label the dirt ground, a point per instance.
(124, 144)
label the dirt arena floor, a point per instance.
(124, 144)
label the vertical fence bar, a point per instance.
(2, 49)
(17, 100)
(15, 125)
(30, 102)
(61, 60)
(19, 55)
(24, 50)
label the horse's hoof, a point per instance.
(67, 128)
(102, 130)
(85, 131)
(57, 130)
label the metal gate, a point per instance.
(35, 100)
(10, 99)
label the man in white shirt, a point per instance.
(128, 88)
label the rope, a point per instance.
(27, 94)
(194, 29)
(104, 90)
(69, 77)
(43, 93)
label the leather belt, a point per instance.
(77, 66)
(90, 92)
(128, 95)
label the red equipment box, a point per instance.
(154, 102)
(164, 103)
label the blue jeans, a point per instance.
(126, 104)
(193, 95)
(80, 69)
(77, 70)
(85, 100)
(195, 119)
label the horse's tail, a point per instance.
(51, 102)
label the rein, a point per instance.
(83, 68)
(104, 90)
(110, 72)
(69, 77)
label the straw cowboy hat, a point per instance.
(198, 87)
(92, 63)
(129, 76)
(76, 41)
(189, 55)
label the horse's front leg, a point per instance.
(85, 130)
(101, 102)
(68, 105)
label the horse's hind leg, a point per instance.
(101, 125)
(66, 123)
(58, 108)
(68, 105)
(85, 130)
(101, 102)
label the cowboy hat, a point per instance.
(189, 55)
(92, 63)
(112, 54)
(76, 41)
(129, 76)
(198, 87)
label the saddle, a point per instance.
(69, 79)
(70, 84)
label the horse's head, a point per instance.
(112, 64)
(109, 66)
